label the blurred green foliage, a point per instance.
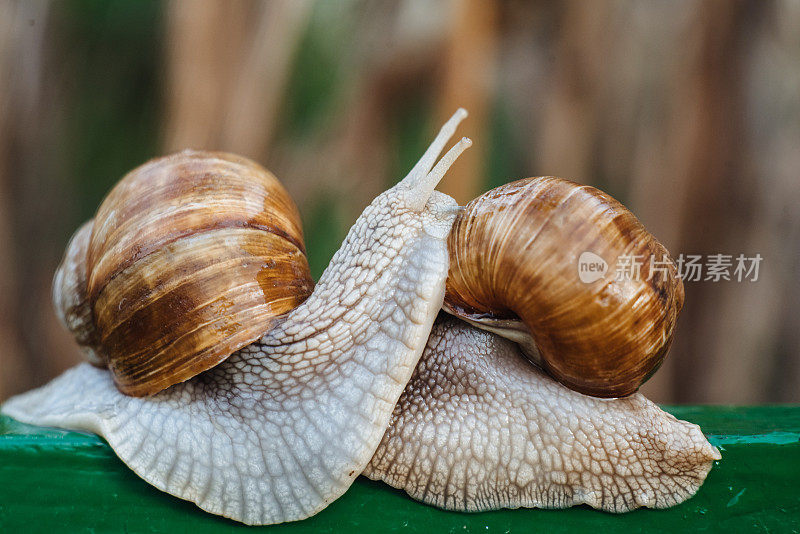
(109, 58)
(111, 66)
(110, 61)
(315, 81)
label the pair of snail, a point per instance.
(234, 382)
(193, 256)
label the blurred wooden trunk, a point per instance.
(687, 114)
(34, 347)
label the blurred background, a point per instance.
(689, 113)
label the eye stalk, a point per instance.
(422, 180)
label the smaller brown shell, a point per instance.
(191, 257)
(515, 255)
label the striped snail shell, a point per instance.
(514, 269)
(189, 258)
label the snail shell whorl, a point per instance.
(69, 296)
(191, 257)
(514, 269)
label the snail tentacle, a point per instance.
(425, 176)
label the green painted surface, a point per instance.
(54, 481)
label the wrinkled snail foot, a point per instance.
(479, 428)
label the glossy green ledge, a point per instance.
(58, 481)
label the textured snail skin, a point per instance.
(479, 428)
(281, 428)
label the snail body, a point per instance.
(514, 270)
(479, 387)
(276, 429)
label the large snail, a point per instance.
(189, 258)
(192, 278)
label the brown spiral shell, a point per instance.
(514, 269)
(189, 258)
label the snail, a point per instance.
(514, 264)
(189, 258)
(271, 420)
